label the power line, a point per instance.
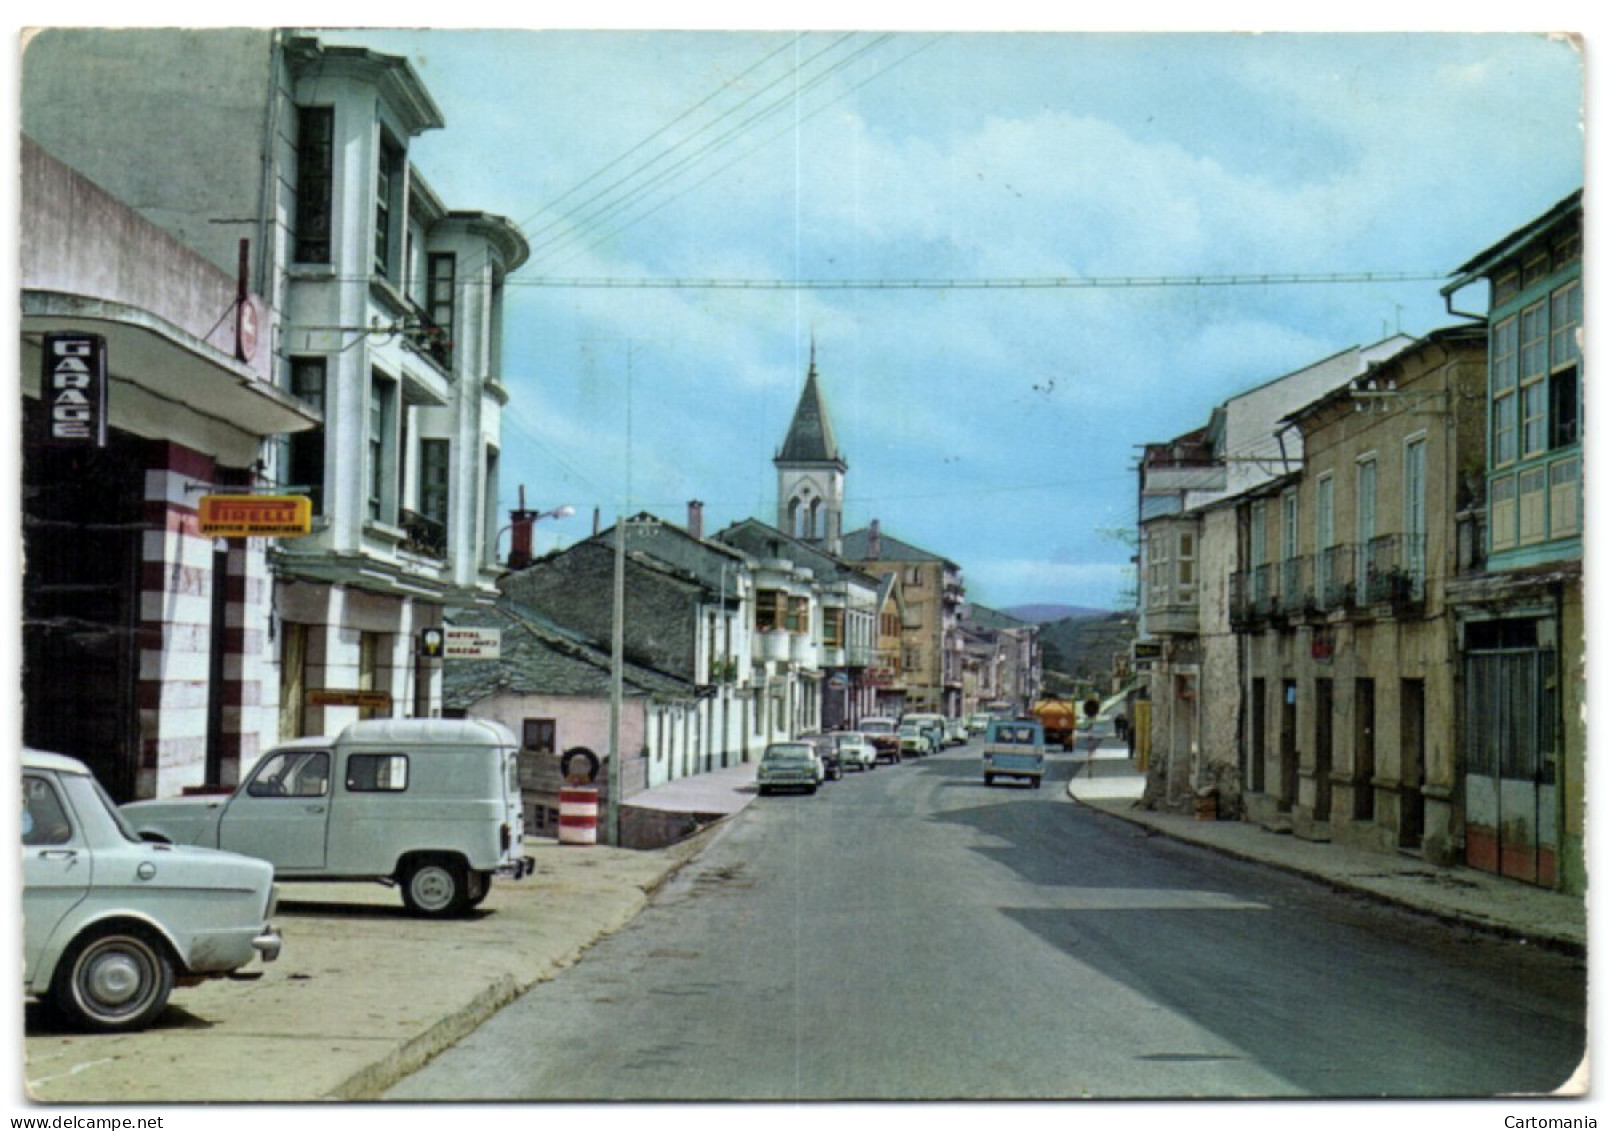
(1111, 282)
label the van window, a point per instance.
(377, 773)
(292, 773)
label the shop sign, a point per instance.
(256, 516)
(333, 697)
(73, 389)
(474, 643)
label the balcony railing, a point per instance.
(423, 535)
(1390, 570)
(429, 338)
(1335, 587)
(1295, 586)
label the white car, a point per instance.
(955, 732)
(790, 765)
(111, 923)
(855, 750)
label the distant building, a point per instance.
(1004, 662)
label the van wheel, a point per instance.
(113, 981)
(479, 888)
(436, 887)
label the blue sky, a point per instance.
(994, 426)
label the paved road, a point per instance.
(909, 934)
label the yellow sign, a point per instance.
(256, 516)
(330, 697)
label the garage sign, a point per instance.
(256, 516)
(73, 389)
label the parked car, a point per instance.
(977, 722)
(826, 750)
(430, 805)
(915, 740)
(883, 733)
(933, 724)
(955, 731)
(1014, 749)
(854, 750)
(789, 765)
(111, 923)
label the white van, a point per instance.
(431, 805)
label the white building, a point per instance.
(380, 310)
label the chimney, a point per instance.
(695, 519)
(873, 542)
(524, 526)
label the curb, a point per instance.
(369, 1083)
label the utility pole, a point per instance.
(617, 684)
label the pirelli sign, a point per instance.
(73, 390)
(256, 516)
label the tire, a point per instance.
(812, 789)
(988, 779)
(479, 888)
(113, 981)
(764, 791)
(436, 887)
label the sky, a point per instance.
(994, 425)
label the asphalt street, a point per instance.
(911, 934)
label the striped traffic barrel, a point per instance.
(577, 814)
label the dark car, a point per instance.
(826, 750)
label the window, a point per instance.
(912, 576)
(44, 818)
(1563, 416)
(434, 474)
(315, 181)
(387, 207)
(1504, 391)
(1504, 512)
(377, 773)
(292, 773)
(1533, 504)
(798, 614)
(832, 627)
(1565, 502)
(304, 451)
(441, 307)
(1291, 527)
(1160, 567)
(1415, 520)
(912, 659)
(381, 449)
(1532, 369)
(1328, 579)
(488, 505)
(540, 736)
(769, 609)
(1186, 567)
(1367, 496)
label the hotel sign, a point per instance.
(334, 697)
(256, 516)
(73, 389)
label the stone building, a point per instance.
(1348, 648)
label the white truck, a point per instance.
(430, 805)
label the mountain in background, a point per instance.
(1043, 614)
(1080, 650)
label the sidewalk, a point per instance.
(1107, 782)
(363, 993)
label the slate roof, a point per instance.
(857, 544)
(810, 438)
(984, 617)
(541, 657)
(759, 538)
(707, 561)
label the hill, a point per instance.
(1044, 614)
(1079, 649)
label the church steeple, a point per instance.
(810, 471)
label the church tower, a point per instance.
(809, 472)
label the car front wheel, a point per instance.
(436, 887)
(114, 981)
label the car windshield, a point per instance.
(910, 728)
(878, 728)
(848, 740)
(788, 754)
